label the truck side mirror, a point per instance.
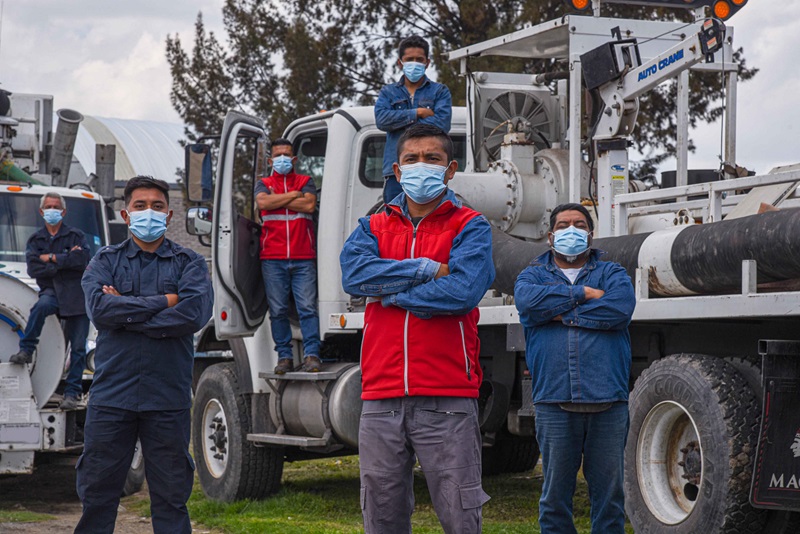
(199, 221)
(199, 180)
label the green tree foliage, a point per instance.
(292, 58)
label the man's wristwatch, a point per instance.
(50, 257)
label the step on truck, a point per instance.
(712, 263)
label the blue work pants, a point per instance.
(109, 442)
(76, 328)
(391, 188)
(598, 440)
(283, 278)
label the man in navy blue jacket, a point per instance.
(56, 256)
(576, 310)
(147, 296)
(413, 99)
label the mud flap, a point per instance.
(776, 474)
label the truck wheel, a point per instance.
(509, 454)
(135, 478)
(778, 521)
(688, 459)
(229, 467)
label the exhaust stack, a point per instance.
(63, 145)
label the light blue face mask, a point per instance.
(148, 225)
(52, 216)
(413, 71)
(282, 164)
(571, 242)
(422, 182)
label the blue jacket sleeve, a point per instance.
(471, 275)
(442, 109)
(74, 260)
(366, 274)
(539, 303)
(111, 312)
(36, 267)
(193, 310)
(388, 119)
(612, 311)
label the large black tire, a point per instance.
(678, 402)
(778, 521)
(229, 466)
(509, 454)
(135, 478)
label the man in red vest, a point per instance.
(288, 255)
(424, 265)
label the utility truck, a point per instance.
(712, 274)
(32, 426)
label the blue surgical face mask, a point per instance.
(413, 71)
(52, 216)
(282, 164)
(422, 182)
(571, 242)
(148, 225)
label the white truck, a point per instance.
(713, 276)
(31, 423)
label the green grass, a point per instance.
(22, 516)
(322, 497)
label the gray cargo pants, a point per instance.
(444, 434)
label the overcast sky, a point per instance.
(106, 58)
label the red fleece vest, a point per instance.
(286, 234)
(402, 354)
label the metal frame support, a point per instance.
(682, 148)
(729, 155)
(612, 180)
(575, 155)
(642, 288)
(749, 277)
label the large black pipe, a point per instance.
(706, 258)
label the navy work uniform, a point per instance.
(143, 378)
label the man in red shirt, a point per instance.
(288, 255)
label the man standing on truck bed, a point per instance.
(57, 256)
(576, 310)
(424, 265)
(288, 255)
(413, 99)
(147, 296)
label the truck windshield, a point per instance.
(19, 219)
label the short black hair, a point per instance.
(571, 206)
(426, 130)
(413, 41)
(146, 182)
(281, 141)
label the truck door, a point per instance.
(240, 303)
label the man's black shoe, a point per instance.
(284, 366)
(21, 358)
(311, 364)
(69, 403)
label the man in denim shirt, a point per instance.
(413, 99)
(147, 296)
(424, 265)
(576, 310)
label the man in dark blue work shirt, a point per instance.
(56, 256)
(147, 296)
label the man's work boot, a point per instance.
(21, 358)
(69, 403)
(311, 364)
(284, 366)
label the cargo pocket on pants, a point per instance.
(472, 500)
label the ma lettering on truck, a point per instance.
(710, 267)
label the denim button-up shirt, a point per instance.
(410, 283)
(395, 111)
(586, 356)
(145, 350)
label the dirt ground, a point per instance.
(51, 490)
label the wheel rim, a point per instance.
(215, 443)
(669, 462)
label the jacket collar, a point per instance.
(548, 260)
(290, 176)
(400, 204)
(165, 250)
(402, 82)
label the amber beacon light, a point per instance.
(720, 9)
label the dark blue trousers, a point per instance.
(109, 441)
(391, 188)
